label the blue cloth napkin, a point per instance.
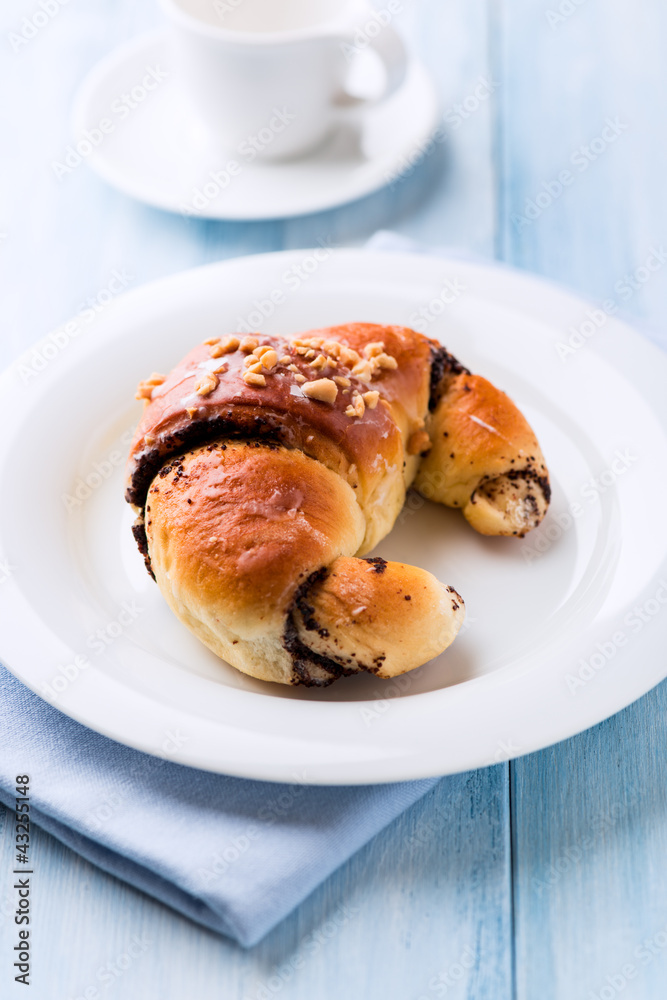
(234, 855)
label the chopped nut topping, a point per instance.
(319, 362)
(342, 381)
(256, 368)
(269, 359)
(324, 390)
(191, 411)
(335, 351)
(149, 439)
(212, 340)
(373, 361)
(384, 361)
(248, 344)
(299, 378)
(350, 412)
(219, 369)
(371, 399)
(225, 347)
(254, 378)
(285, 360)
(362, 370)
(359, 405)
(308, 342)
(207, 384)
(293, 368)
(250, 361)
(145, 388)
(418, 443)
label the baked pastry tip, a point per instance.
(266, 468)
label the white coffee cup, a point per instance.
(278, 68)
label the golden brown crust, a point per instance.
(233, 530)
(384, 617)
(264, 467)
(240, 537)
(367, 450)
(478, 435)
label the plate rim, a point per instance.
(370, 771)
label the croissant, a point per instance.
(265, 468)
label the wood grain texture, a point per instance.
(589, 822)
(425, 904)
(590, 841)
(562, 86)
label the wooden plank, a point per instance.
(590, 838)
(589, 816)
(563, 85)
(424, 910)
(421, 909)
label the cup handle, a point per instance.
(391, 49)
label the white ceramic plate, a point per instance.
(156, 149)
(564, 627)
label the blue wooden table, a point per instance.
(545, 878)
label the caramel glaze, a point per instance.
(361, 450)
(275, 412)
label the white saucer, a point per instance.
(158, 152)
